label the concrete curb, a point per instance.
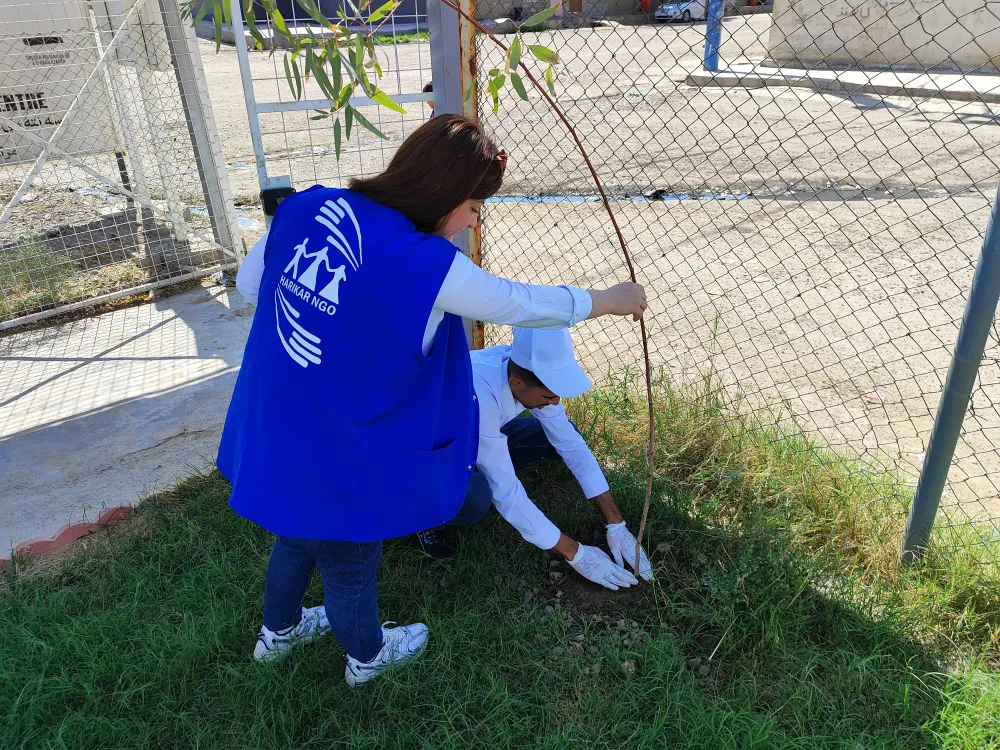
(67, 535)
(725, 79)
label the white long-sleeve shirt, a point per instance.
(497, 407)
(471, 292)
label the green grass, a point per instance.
(403, 37)
(34, 278)
(31, 277)
(778, 619)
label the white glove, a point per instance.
(622, 545)
(592, 563)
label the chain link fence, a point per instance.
(111, 177)
(805, 212)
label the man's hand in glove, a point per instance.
(622, 545)
(592, 563)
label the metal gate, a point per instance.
(111, 175)
(294, 149)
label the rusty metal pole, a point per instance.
(453, 69)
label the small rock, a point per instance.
(702, 560)
(635, 624)
(626, 642)
(549, 609)
(555, 576)
(529, 598)
(586, 670)
(559, 594)
(621, 624)
(693, 663)
(597, 668)
(576, 646)
(578, 637)
(628, 667)
(704, 670)
(875, 397)
(553, 563)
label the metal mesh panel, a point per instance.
(303, 148)
(806, 223)
(104, 189)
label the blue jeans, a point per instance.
(350, 592)
(528, 446)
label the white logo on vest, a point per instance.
(301, 279)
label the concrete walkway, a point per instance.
(99, 412)
(957, 86)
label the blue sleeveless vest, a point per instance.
(339, 427)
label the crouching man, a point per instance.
(535, 373)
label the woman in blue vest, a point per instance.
(353, 418)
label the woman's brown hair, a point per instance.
(445, 162)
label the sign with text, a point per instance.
(47, 54)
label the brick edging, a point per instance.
(67, 534)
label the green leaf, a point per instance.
(202, 11)
(544, 54)
(279, 22)
(381, 12)
(518, 84)
(493, 72)
(367, 125)
(336, 137)
(311, 61)
(251, 19)
(348, 121)
(335, 66)
(292, 76)
(324, 83)
(494, 87)
(538, 18)
(345, 96)
(218, 25)
(471, 90)
(321, 114)
(514, 54)
(549, 82)
(310, 7)
(380, 97)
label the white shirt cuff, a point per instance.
(594, 485)
(546, 536)
(583, 304)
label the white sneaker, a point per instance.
(398, 644)
(273, 645)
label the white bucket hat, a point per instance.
(549, 354)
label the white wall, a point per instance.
(943, 34)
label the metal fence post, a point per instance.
(713, 33)
(969, 348)
(201, 128)
(453, 69)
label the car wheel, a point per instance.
(686, 16)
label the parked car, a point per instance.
(686, 11)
